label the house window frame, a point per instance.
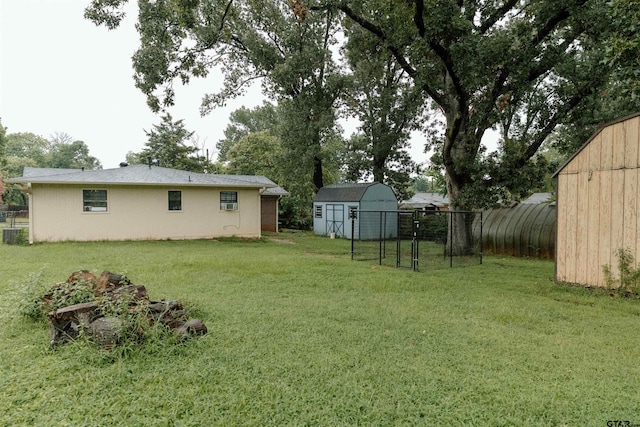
(228, 200)
(175, 207)
(318, 212)
(89, 203)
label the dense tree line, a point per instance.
(21, 149)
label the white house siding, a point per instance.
(140, 213)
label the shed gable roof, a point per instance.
(595, 134)
(139, 175)
(343, 192)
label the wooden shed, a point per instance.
(333, 203)
(598, 202)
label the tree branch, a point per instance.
(418, 19)
(378, 32)
(497, 15)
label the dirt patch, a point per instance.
(284, 241)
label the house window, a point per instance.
(229, 200)
(94, 200)
(318, 211)
(175, 200)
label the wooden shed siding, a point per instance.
(617, 214)
(619, 151)
(603, 228)
(606, 147)
(630, 210)
(593, 219)
(630, 148)
(582, 222)
(561, 239)
(633, 134)
(571, 225)
(598, 204)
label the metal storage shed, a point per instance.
(333, 203)
(598, 203)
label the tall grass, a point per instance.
(301, 335)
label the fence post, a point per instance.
(481, 219)
(382, 231)
(414, 243)
(451, 222)
(353, 225)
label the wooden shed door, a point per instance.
(335, 220)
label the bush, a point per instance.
(23, 237)
(29, 297)
(629, 274)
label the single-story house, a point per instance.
(140, 202)
(429, 201)
(334, 205)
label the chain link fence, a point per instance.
(420, 240)
(13, 216)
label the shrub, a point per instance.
(22, 238)
(629, 274)
(29, 296)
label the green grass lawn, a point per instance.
(301, 335)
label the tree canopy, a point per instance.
(169, 145)
(245, 121)
(60, 151)
(21, 149)
(527, 69)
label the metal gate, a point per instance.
(406, 242)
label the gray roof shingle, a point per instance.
(139, 175)
(342, 192)
(428, 198)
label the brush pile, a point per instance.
(108, 309)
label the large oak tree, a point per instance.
(517, 65)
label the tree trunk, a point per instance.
(318, 181)
(378, 169)
(461, 146)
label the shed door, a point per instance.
(335, 220)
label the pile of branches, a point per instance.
(110, 309)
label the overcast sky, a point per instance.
(61, 73)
